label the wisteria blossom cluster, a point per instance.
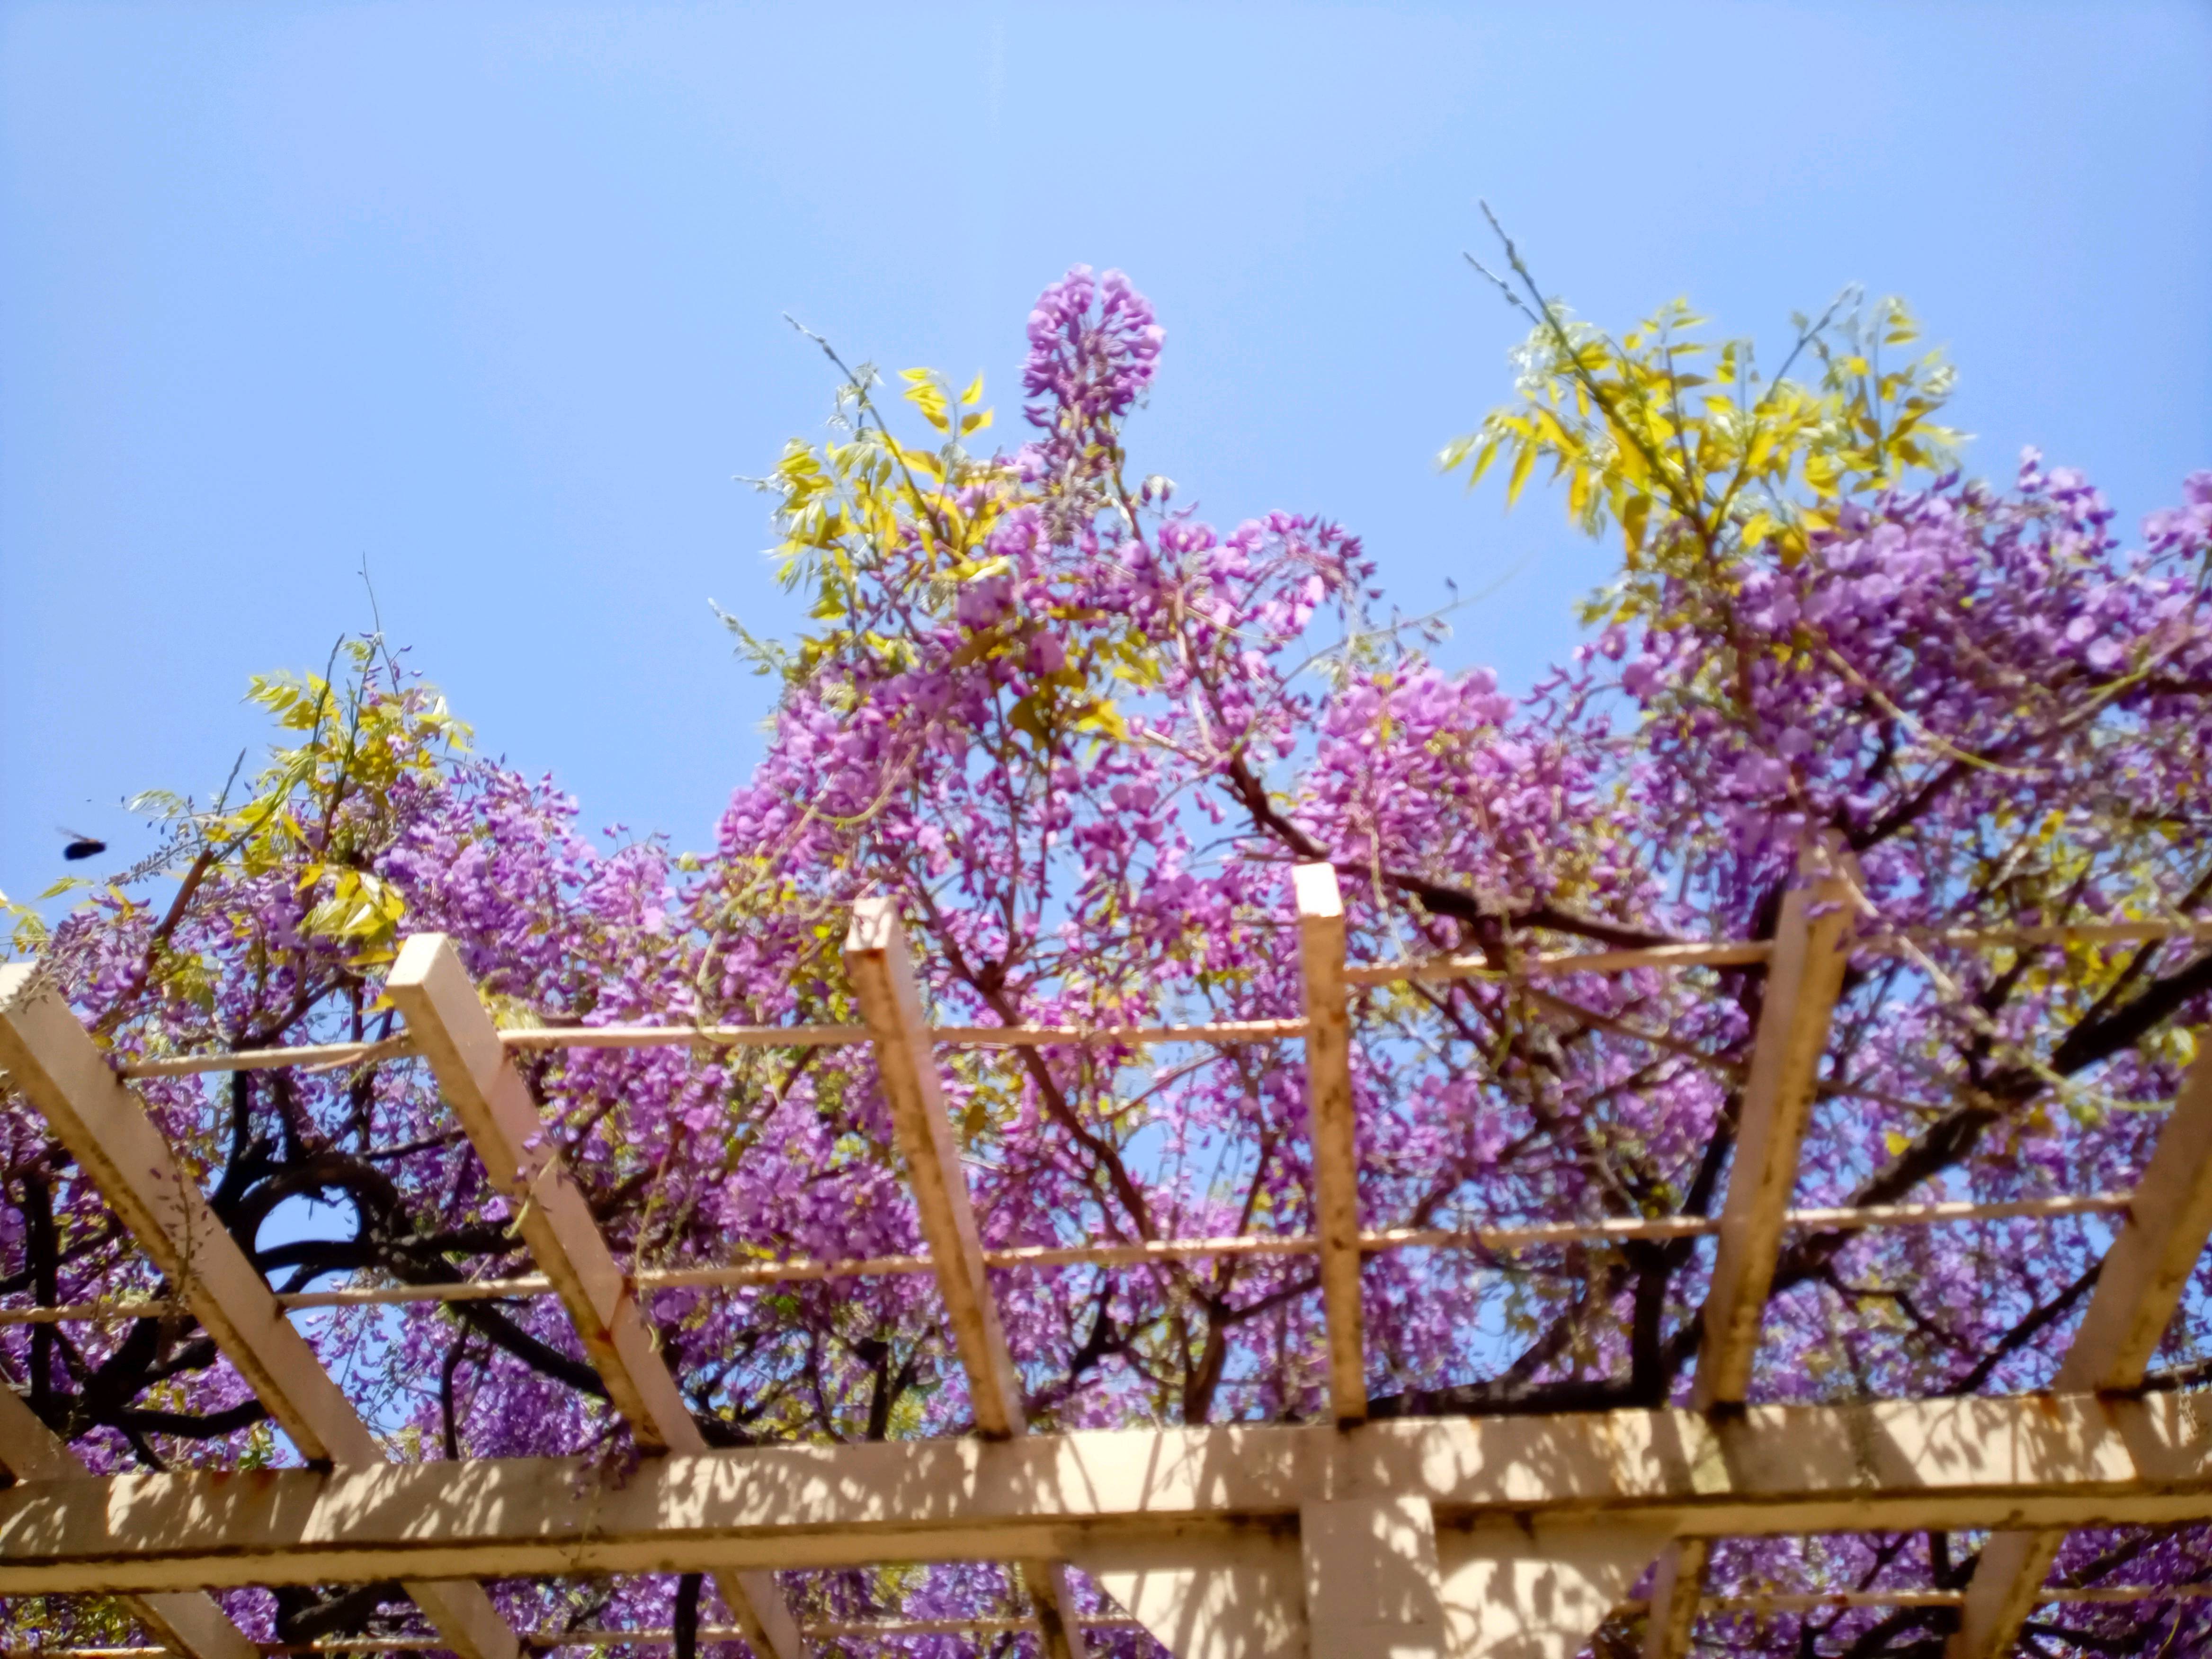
(1081, 736)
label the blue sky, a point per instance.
(492, 296)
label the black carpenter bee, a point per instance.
(82, 846)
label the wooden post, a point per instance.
(452, 1031)
(2145, 1273)
(1373, 1589)
(1537, 1592)
(881, 967)
(54, 1061)
(1335, 1137)
(1676, 1587)
(1054, 1600)
(1804, 978)
(183, 1621)
(1213, 1595)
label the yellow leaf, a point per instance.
(974, 394)
(1523, 463)
(1547, 426)
(1635, 515)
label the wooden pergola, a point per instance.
(1508, 1538)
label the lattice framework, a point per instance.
(1493, 1536)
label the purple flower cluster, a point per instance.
(1083, 771)
(1094, 347)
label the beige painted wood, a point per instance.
(1720, 953)
(881, 969)
(2092, 933)
(1975, 1462)
(880, 966)
(29, 1450)
(2150, 1261)
(53, 1061)
(1130, 1254)
(454, 1032)
(315, 1056)
(1335, 1140)
(1054, 1598)
(1717, 953)
(1512, 1592)
(183, 1621)
(1804, 977)
(325, 1055)
(2145, 1273)
(1733, 953)
(1676, 1587)
(1371, 1585)
(2007, 1579)
(1238, 1595)
(879, 1628)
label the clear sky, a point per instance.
(492, 297)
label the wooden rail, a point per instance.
(1143, 1254)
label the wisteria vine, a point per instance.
(1081, 735)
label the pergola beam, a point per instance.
(1678, 1584)
(452, 1031)
(881, 969)
(1804, 978)
(55, 1063)
(185, 1622)
(1159, 1494)
(1333, 1134)
(2140, 1285)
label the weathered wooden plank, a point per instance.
(1372, 1587)
(186, 1622)
(1234, 1595)
(1536, 1592)
(1804, 976)
(53, 1061)
(881, 969)
(2144, 1274)
(452, 1031)
(1153, 1494)
(1334, 1134)
(1053, 1597)
(1676, 1588)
